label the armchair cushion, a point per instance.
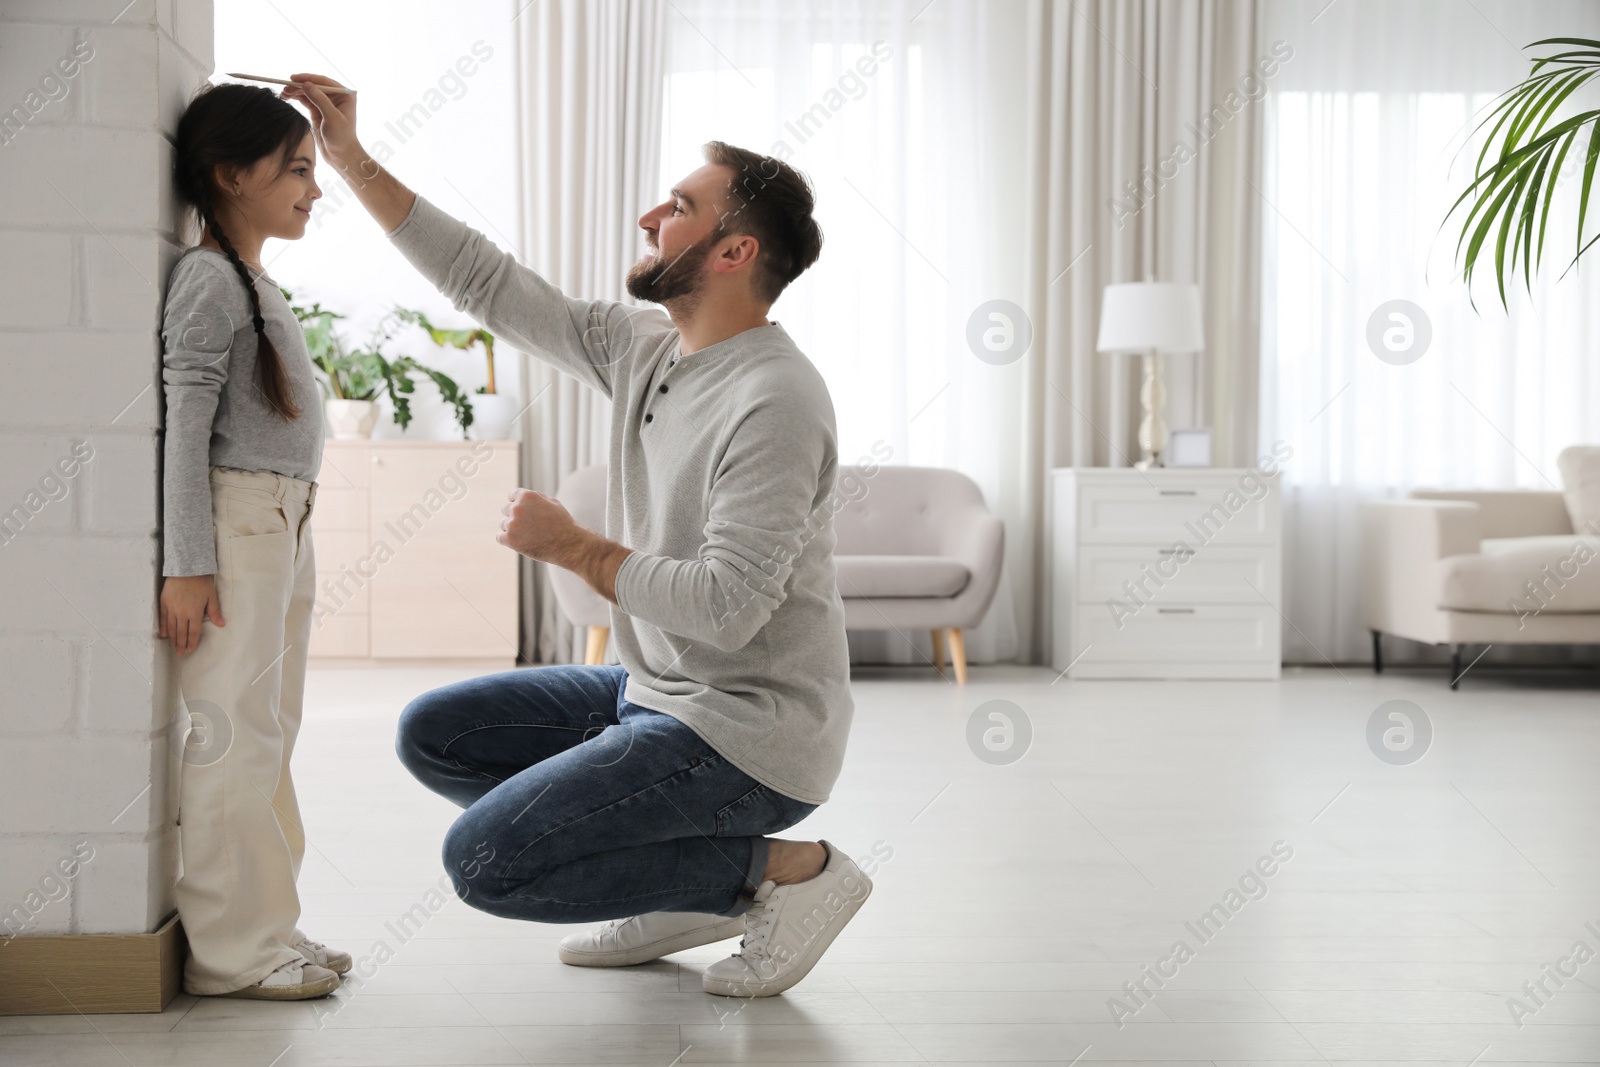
(1557, 573)
(897, 576)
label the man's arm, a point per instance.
(762, 513)
(586, 338)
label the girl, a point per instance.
(243, 447)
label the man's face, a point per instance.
(680, 234)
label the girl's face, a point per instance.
(278, 204)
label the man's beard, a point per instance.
(677, 280)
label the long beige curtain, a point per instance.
(589, 112)
(1145, 142)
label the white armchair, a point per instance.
(583, 493)
(917, 549)
(1463, 568)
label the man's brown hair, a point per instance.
(772, 202)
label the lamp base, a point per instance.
(1149, 461)
(1153, 427)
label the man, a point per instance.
(643, 793)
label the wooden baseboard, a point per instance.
(92, 974)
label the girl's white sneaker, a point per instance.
(323, 956)
(294, 980)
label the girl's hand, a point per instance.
(186, 602)
(333, 118)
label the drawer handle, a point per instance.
(1177, 492)
(1176, 611)
(1167, 551)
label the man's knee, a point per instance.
(491, 871)
(416, 739)
(474, 856)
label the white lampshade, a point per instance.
(1139, 316)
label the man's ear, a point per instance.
(741, 252)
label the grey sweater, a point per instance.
(721, 480)
(216, 414)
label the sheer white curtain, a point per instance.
(909, 119)
(1368, 142)
(589, 108)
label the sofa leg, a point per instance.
(938, 649)
(594, 652)
(1455, 665)
(1377, 652)
(958, 653)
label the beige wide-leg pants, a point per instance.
(239, 829)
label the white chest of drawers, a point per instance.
(1166, 573)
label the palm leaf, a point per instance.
(1583, 197)
(1544, 216)
(1518, 169)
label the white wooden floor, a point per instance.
(1018, 900)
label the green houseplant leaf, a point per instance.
(462, 339)
(1519, 167)
(326, 349)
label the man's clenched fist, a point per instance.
(538, 526)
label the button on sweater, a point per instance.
(721, 479)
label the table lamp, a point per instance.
(1152, 318)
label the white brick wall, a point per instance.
(87, 237)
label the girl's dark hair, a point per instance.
(238, 126)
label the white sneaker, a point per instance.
(323, 956)
(641, 938)
(295, 980)
(788, 928)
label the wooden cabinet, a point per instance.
(1167, 573)
(407, 562)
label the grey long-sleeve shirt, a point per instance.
(216, 414)
(721, 479)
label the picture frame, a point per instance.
(1189, 447)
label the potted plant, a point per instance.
(350, 388)
(352, 381)
(494, 412)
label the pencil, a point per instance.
(280, 81)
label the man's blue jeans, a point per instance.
(581, 805)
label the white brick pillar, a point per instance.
(90, 94)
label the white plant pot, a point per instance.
(349, 419)
(492, 417)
